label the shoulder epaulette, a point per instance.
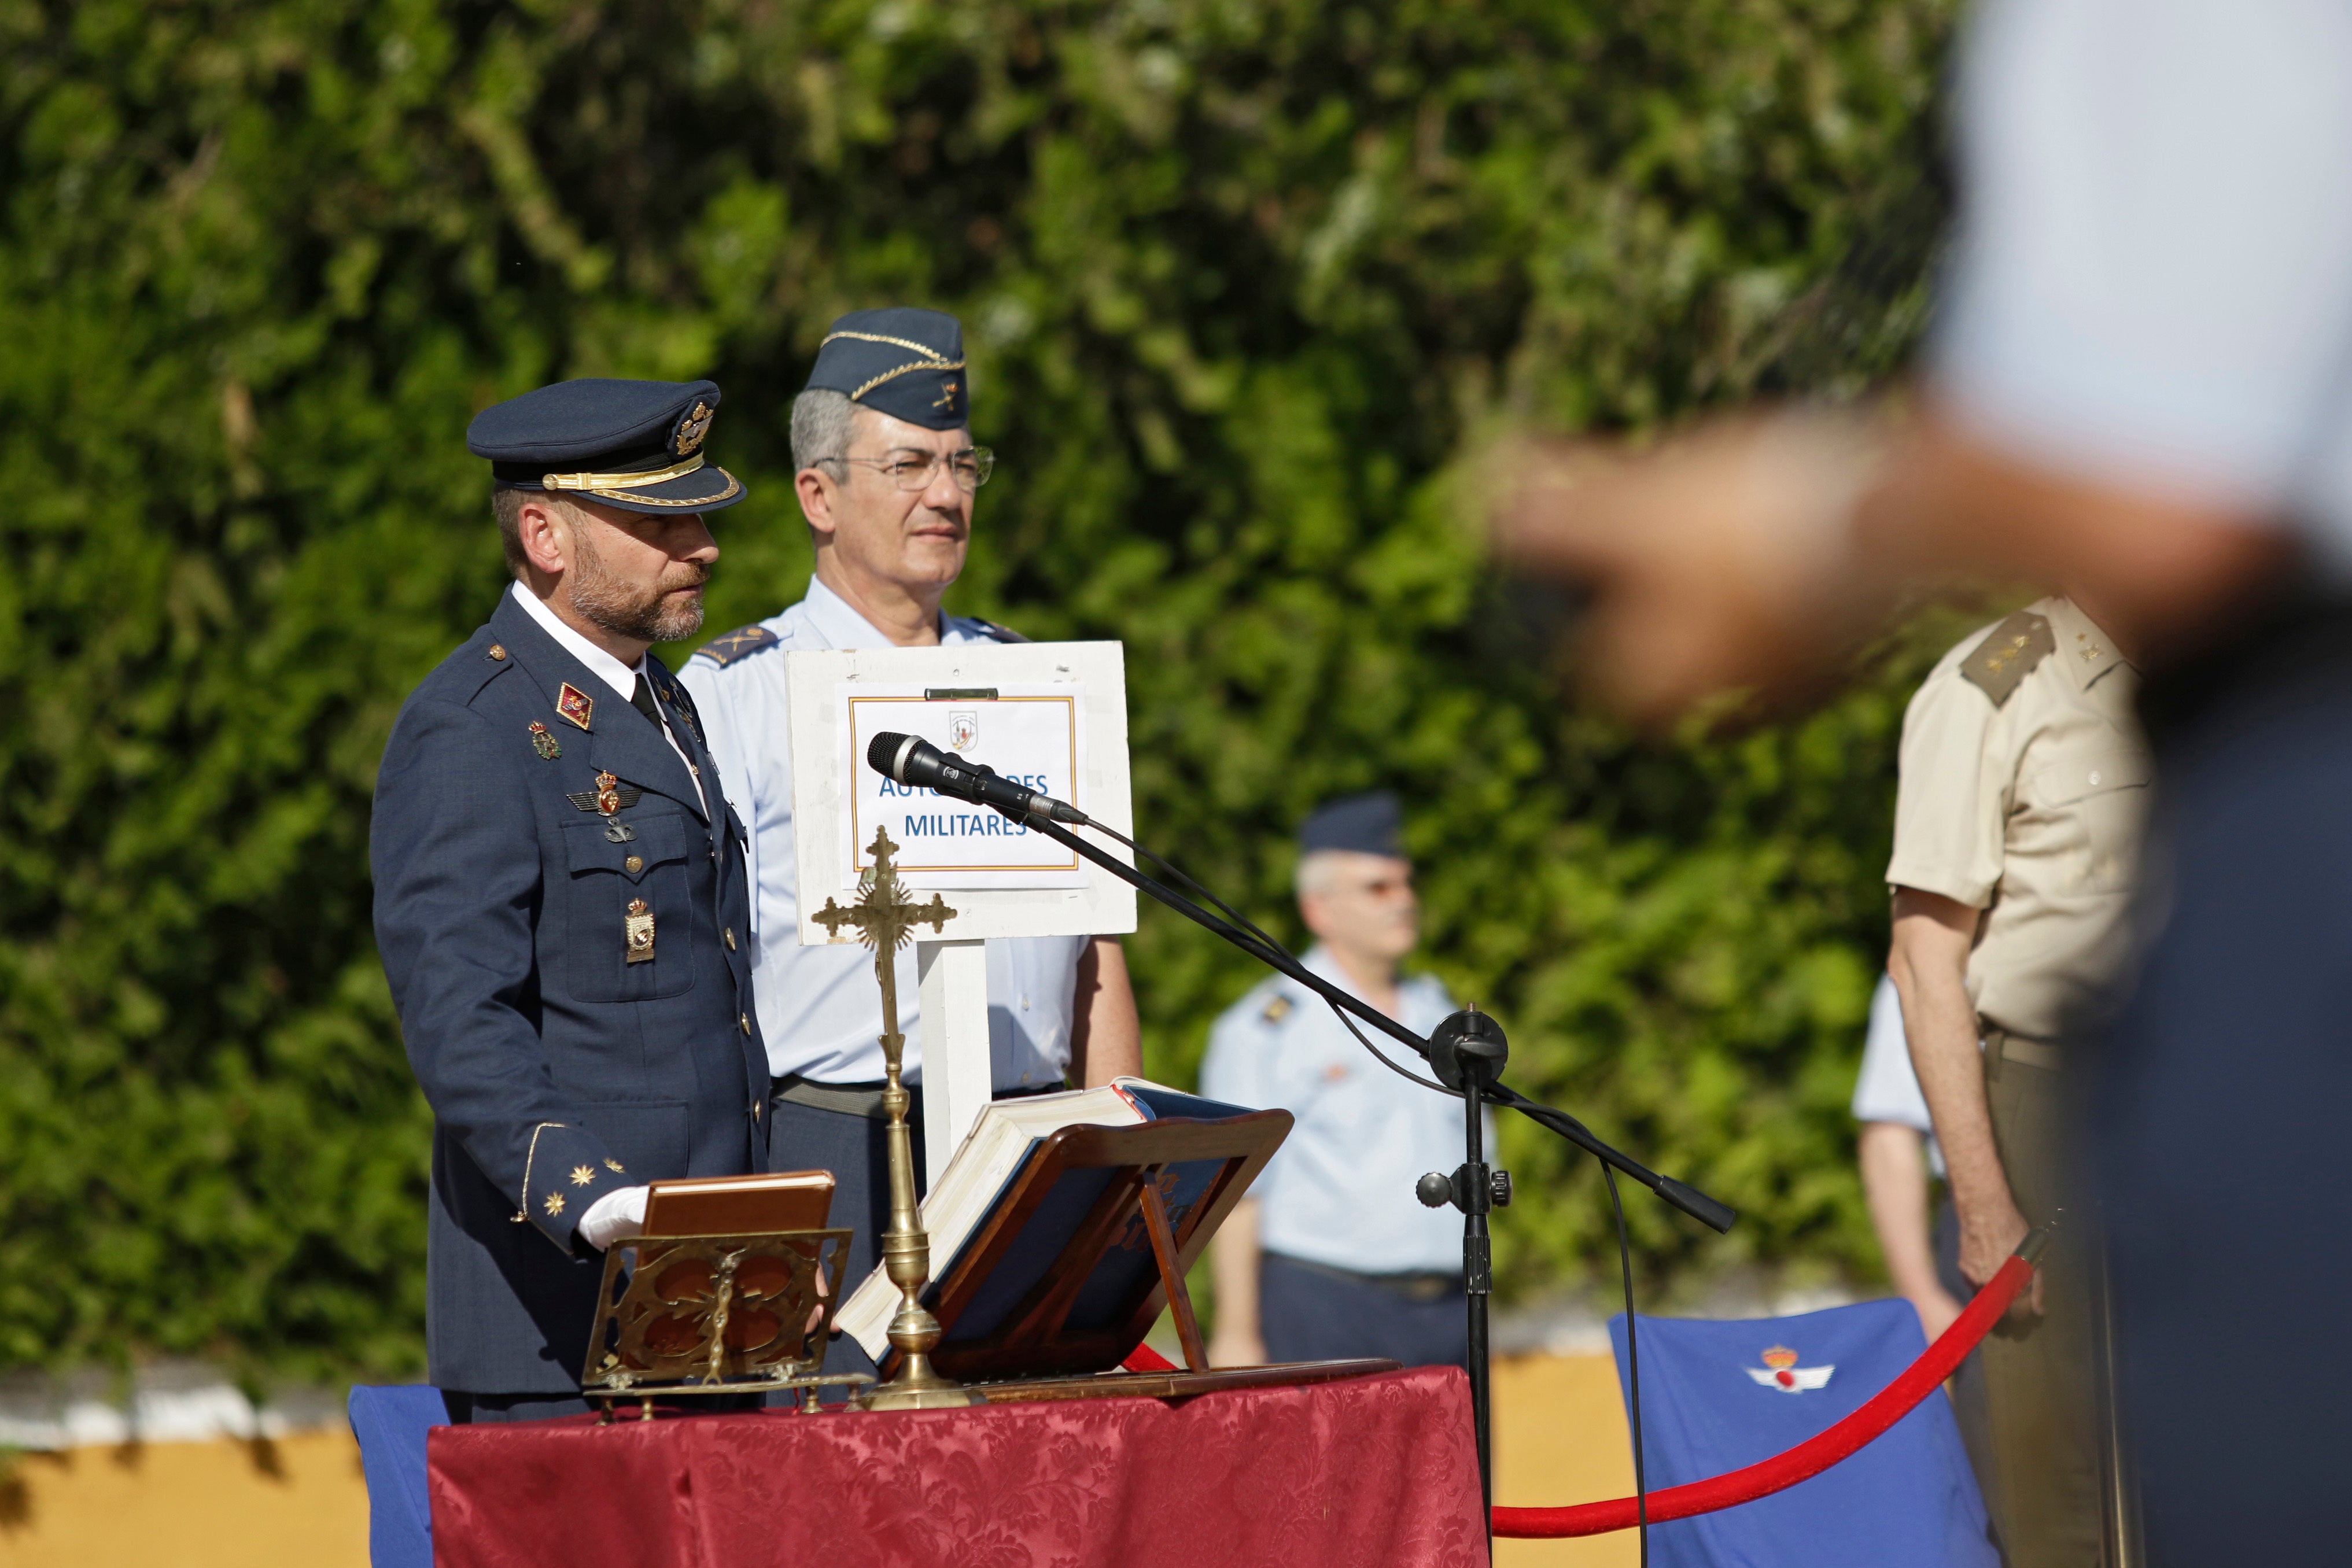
(2007, 655)
(1276, 1010)
(1001, 633)
(741, 643)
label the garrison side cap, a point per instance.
(1368, 825)
(900, 360)
(636, 445)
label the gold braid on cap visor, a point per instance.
(620, 485)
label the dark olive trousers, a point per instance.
(2052, 1477)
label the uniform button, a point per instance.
(1025, 1007)
(728, 937)
(755, 1110)
(2095, 777)
(1024, 1078)
(694, 769)
(743, 1022)
(633, 864)
(497, 650)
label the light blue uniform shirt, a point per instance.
(818, 1006)
(1340, 1191)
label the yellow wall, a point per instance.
(301, 1503)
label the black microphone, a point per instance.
(915, 762)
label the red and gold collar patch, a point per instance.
(575, 704)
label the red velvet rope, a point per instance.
(1808, 1458)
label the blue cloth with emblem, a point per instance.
(900, 360)
(557, 1069)
(1712, 1402)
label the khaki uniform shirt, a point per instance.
(2024, 784)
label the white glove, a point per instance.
(616, 1217)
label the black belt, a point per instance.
(1413, 1285)
(866, 1099)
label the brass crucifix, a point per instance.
(886, 919)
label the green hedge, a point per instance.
(1237, 275)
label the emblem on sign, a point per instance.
(638, 926)
(575, 704)
(544, 743)
(1781, 1371)
(963, 729)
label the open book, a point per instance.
(1005, 1139)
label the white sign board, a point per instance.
(1031, 733)
(1052, 714)
(1058, 713)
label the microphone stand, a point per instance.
(1468, 1054)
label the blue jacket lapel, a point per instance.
(620, 740)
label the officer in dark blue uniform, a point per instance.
(560, 890)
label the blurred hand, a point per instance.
(1236, 1349)
(1937, 1311)
(1721, 559)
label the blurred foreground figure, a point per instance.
(2017, 830)
(2140, 392)
(560, 890)
(1331, 1254)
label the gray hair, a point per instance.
(823, 422)
(1316, 870)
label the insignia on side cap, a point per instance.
(575, 704)
(728, 646)
(2008, 655)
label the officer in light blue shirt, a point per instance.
(887, 473)
(1331, 1254)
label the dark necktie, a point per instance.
(641, 699)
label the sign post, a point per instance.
(1051, 715)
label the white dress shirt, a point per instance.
(818, 1006)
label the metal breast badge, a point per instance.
(609, 796)
(544, 743)
(638, 925)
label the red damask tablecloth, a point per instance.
(1373, 1471)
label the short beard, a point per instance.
(642, 615)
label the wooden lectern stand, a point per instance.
(1089, 1243)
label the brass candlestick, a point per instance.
(886, 918)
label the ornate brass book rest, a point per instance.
(716, 1316)
(886, 919)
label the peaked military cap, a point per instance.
(633, 444)
(904, 362)
(1368, 825)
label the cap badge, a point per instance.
(1781, 1371)
(544, 743)
(575, 704)
(693, 430)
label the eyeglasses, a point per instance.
(972, 467)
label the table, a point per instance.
(1378, 1469)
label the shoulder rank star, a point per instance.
(575, 704)
(544, 743)
(609, 796)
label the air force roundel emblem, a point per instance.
(1781, 1371)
